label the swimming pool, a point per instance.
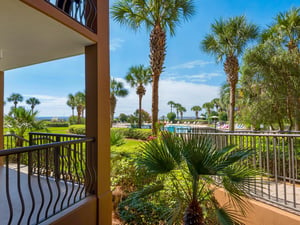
(177, 129)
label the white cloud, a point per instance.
(186, 93)
(201, 77)
(115, 44)
(191, 64)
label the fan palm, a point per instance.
(15, 98)
(138, 76)
(157, 16)
(196, 109)
(171, 104)
(181, 110)
(208, 106)
(227, 42)
(116, 90)
(33, 102)
(198, 159)
(177, 106)
(79, 98)
(71, 103)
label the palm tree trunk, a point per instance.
(140, 110)
(155, 104)
(231, 107)
(197, 115)
(78, 114)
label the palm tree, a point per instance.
(116, 90)
(19, 121)
(157, 16)
(227, 42)
(71, 103)
(79, 98)
(216, 103)
(171, 103)
(208, 106)
(138, 76)
(33, 102)
(196, 167)
(177, 106)
(196, 109)
(15, 98)
(181, 110)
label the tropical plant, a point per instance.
(71, 103)
(116, 90)
(196, 109)
(181, 110)
(177, 106)
(19, 121)
(33, 102)
(79, 99)
(227, 42)
(208, 106)
(157, 16)
(216, 103)
(171, 116)
(138, 76)
(196, 168)
(15, 98)
(171, 104)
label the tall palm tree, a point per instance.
(157, 16)
(227, 42)
(177, 106)
(116, 90)
(138, 76)
(71, 103)
(79, 98)
(15, 98)
(196, 166)
(216, 103)
(208, 106)
(196, 109)
(33, 102)
(181, 110)
(171, 103)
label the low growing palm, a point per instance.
(196, 169)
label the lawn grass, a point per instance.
(130, 146)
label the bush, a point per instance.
(135, 133)
(77, 129)
(171, 116)
(57, 124)
(74, 120)
(116, 138)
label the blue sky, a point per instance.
(191, 77)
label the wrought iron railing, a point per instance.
(278, 157)
(40, 181)
(83, 11)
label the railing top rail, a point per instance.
(58, 135)
(44, 146)
(255, 134)
(14, 135)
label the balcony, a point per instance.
(45, 178)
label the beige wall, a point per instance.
(264, 214)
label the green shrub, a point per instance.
(116, 138)
(57, 124)
(77, 129)
(135, 133)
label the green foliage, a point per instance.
(136, 133)
(123, 117)
(116, 138)
(77, 129)
(74, 120)
(171, 116)
(57, 124)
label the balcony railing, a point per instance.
(83, 11)
(40, 181)
(278, 157)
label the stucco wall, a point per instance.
(263, 214)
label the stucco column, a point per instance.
(97, 110)
(1, 112)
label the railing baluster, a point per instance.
(19, 189)
(11, 212)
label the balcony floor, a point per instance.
(44, 204)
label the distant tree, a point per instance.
(15, 98)
(228, 40)
(33, 102)
(116, 90)
(139, 76)
(71, 103)
(216, 103)
(123, 117)
(145, 116)
(171, 103)
(157, 16)
(80, 104)
(177, 106)
(181, 110)
(171, 116)
(208, 106)
(196, 109)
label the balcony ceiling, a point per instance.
(28, 37)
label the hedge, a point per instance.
(135, 133)
(77, 129)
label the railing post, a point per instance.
(1, 113)
(56, 160)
